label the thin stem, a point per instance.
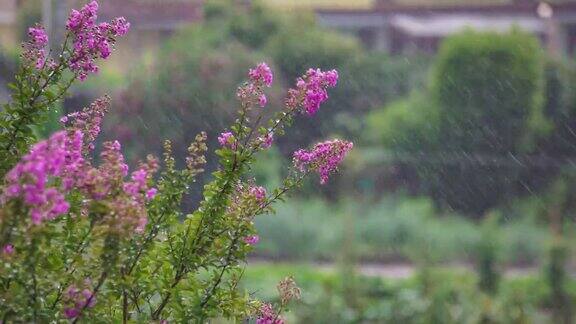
(181, 271)
(124, 306)
(211, 291)
(236, 237)
(36, 94)
(32, 268)
(80, 250)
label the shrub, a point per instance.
(489, 90)
(80, 240)
(484, 103)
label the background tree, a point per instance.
(484, 107)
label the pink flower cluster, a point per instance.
(311, 90)
(38, 36)
(268, 315)
(252, 239)
(259, 193)
(88, 120)
(324, 157)
(56, 166)
(34, 178)
(259, 76)
(125, 199)
(76, 300)
(34, 49)
(98, 183)
(91, 40)
(266, 140)
(8, 249)
(228, 140)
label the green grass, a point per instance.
(451, 296)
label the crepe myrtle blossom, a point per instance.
(89, 120)
(227, 139)
(8, 249)
(76, 300)
(259, 193)
(266, 140)
(38, 36)
(311, 90)
(268, 315)
(261, 74)
(252, 92)
(35, 48)
(126, 199)
(92, 40)
(151, 193)
(55, 166)
(98, 183)
(32, 179)
(262, 100)
(252, 239)
(323, 158)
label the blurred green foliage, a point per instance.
(484, 105)
(394, 229)
(29, 14)
(453, 298)
(487, 251)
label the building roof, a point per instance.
(151, 14)
(319, 4)
(454, 6)
(444, 25)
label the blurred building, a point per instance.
(156, 15)
(401, 26)
(8, 17)
(152, 20)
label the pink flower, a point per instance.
(75, 300)
(310, 91)
(324, 158)
(120, 26)
(142, 222)
(267, 140)
(252, 239)
(331, 77)
(8, 249)
(262, 100)
(227, 139)
(71, 313)
(34, 49)
(151, 193)
(268, 315)
(89, 120)
(259, 193)
(38, 36)
(58, 157)
(91, 40)
(261, 74)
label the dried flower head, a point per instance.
(288, 290)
